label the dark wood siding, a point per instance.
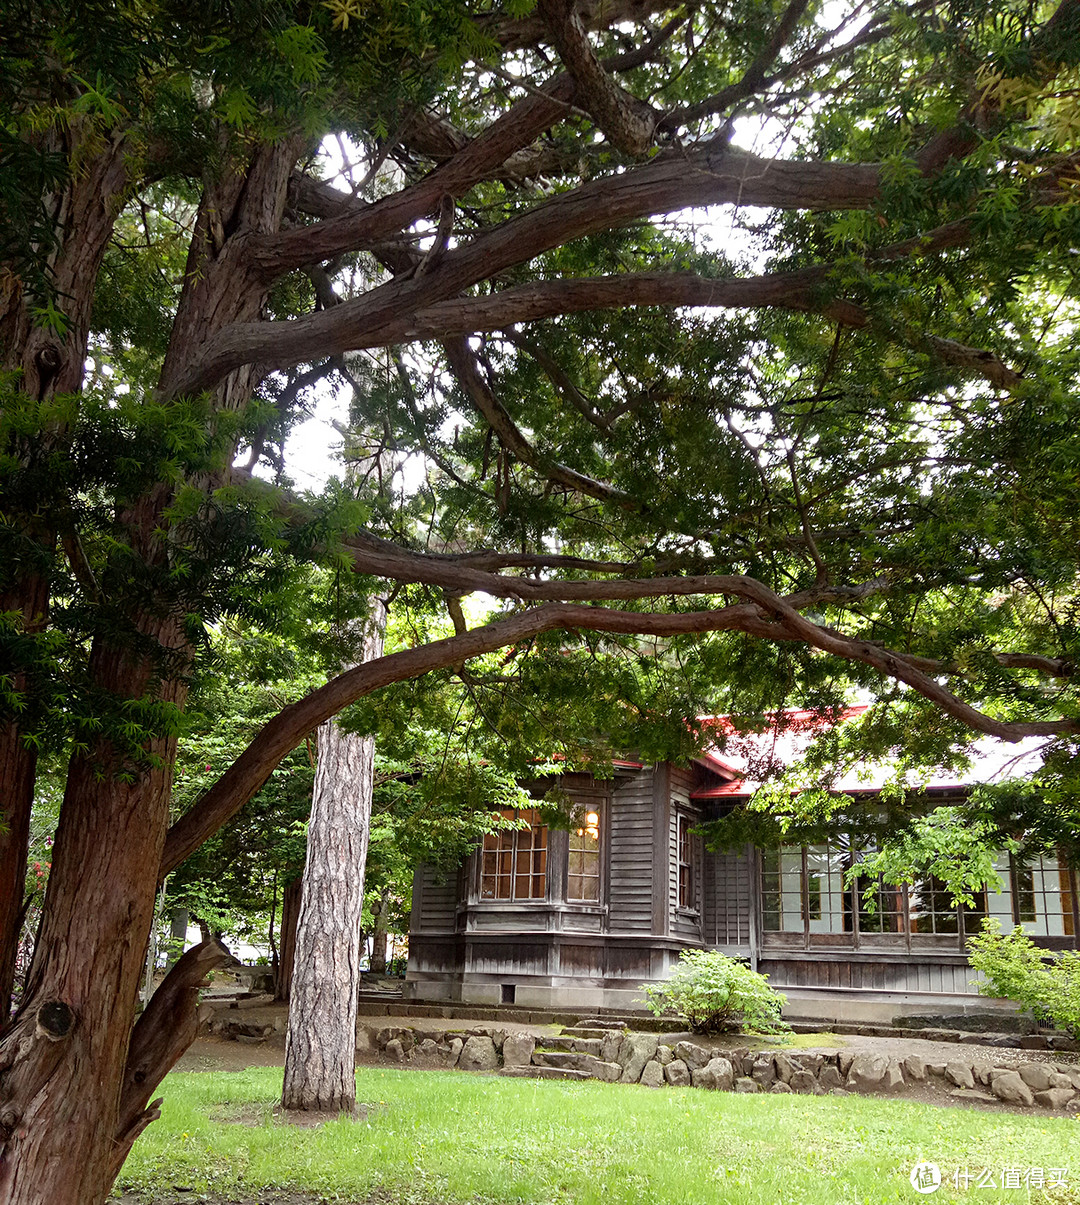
(631, 852)
(438, 901)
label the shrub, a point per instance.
(1016, 969)
(716, 994)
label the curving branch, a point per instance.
(463, 363)
(761, 612)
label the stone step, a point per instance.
(559, 1043)
(596, 1023)
(544, 1073)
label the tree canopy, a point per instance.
(739, 335)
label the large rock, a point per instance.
(677, 1073)
(786, 1066)
(693, 1055)
(914, 1069)
(1036, 1075)
(763, 1071)
(1054, 1098)
(636, 1050)
(829, 1077)
(959, 1073)
(844, 1059)
(745, 1084)
(811, 1062)
(804, 1081)
(664, 1055)
(981, 1070)
(717, 1075)
(780, 1086)
(479, 1054)
(427, 1053)
(1059, 1080)
(518, 1050)
(394, 1050)
(609, 1045)
(652, 1075)
(867, 1072)
(453, 1051)
(1009, 1087)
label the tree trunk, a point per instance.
(320, 1045)
(64, 1115)
(290, 911)
(379, 936)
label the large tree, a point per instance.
(841, 437)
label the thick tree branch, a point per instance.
(627, 121)
(762, 613)
(166, 1028)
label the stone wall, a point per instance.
(614, 1055)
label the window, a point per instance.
(1023, 892)
(687, 897)
(514, 861)
(1038, 896)
(583, 877)
(931, 910)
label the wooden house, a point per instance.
(579, 919)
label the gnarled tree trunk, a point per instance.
(320, 1045)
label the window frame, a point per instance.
(508, 849)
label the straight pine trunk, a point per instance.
(320, 1045)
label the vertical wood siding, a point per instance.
(631, 837)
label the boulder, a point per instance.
(745, 1084)
(959, 1073)
(867, 1072)
(830, 1077)
(652, 1074)
(914, 1069)
(1036, 1075)
(664, 1055)
(453, 1052)
(636, 1050)
(1009, 1087)
(478, 1054)
(844, 1059)
(426, 1052)
(1054, 1098)
(395, 1050)
(981, 1070)
(693, 1055)
(717, 1075)
(812, 1062)
(804, 1081)
(1059, 1080)
(609, 1045)
(606, 1071)
(518, 1050)
(780, 1086)
(677, 1073)
(763, 1070)
(786, 1066)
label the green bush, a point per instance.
(1016, 969)
(716, 994)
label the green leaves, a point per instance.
(717, 994)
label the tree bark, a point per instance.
(320, 1045)
(63, 1057)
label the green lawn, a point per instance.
(449, 1137)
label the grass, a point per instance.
(452, 1137)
